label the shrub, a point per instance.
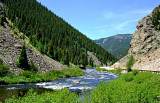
(142, 77)
(99, 69)
(58, 96)
(72, 71)
(88, 66)
(128, 77)
(135, 72)
(130, 63)
(27, 74)
(52, 75)
(4, 70)
(118, 71)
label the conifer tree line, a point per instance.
(53, 36)
(156, 18)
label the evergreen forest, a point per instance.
(156, 18)
(52, 35)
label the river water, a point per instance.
(88, 81)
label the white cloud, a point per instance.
(121, 27)
(115, 23)
(109, 15)
(125, 24)
(127, 14)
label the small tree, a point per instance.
(91, 62)
(33, 67)
(22, 59)
(4, 70)
(1, 61)
(130, 63)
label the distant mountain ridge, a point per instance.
(116, 44)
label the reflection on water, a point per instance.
(4, 93)
(88, 81)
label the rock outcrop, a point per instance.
(144, 46)
(10, 47)
(94, 58)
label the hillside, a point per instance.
(145, 44)
(10, 47)
(116, 45)
(53, 36)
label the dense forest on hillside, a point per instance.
(51, 35)
(117, 45)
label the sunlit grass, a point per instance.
(117, 71)
(28, 76)
(128, 88)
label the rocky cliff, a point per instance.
(144, 46)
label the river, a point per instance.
(88, 81)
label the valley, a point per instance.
(44, 59)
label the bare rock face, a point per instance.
(144, 46)
(95, 59)
(10, 49)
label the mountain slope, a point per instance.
(116, 44)
(52, 35)
(10, 47)
(145, 44)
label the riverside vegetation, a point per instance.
(28, 76)
(7, 77)
(139, 87)
(56, 38)
(31, 74)
(117, 71)
(129, 65)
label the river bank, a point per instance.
(30, 77)
(88, 81)
(141, 87)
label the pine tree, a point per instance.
(22, 59)
(130, 63)
(66, 59)
(91, 62)
(2, 19)
(33, 67)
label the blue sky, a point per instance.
(101, 18)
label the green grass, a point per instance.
(128, 88)
(88, 66)
(64, 96)
(142, 88)
(29, 77)
(100, 69)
